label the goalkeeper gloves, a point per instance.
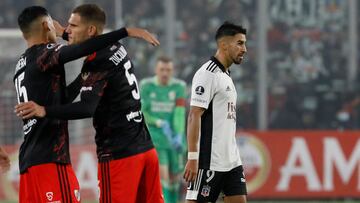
(166, 129)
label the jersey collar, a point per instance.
(218, 63)
(156, 82)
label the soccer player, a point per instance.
(4, 160)
(163, 104)
(46, 174)
(214, 163)
(128, 168)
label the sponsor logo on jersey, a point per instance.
(205, 191)
(199, 100)
(118, 56)
(49, 196)
(136, 116)
(85, 89)
(157, 106)
(199, 90)
(231, 111)
(28, 126)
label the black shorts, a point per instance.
(208, 184)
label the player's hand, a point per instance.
(58, 28)
(29, 109)
(176, 142)
(191, 169)
(143, 34)
(166, 129)
(4, 160)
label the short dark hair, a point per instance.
(92, 13)
(229, 29)
(29, 15)
(164, 59)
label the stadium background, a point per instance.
(298, 88)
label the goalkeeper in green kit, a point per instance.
(163, 101)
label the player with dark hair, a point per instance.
(128, 168)
(214, 163)
(163, 99)
(46, 174)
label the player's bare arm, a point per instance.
(194, 120)
(143, 34)
(4, 160)
(132, 32)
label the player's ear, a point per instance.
(92, 30)
(45, 25)
(222, 44)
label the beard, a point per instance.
(238, 60)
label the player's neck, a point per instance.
(35, 40)
(222, 59)
(162, 83)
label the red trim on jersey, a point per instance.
(131, 179)
(181, 102)
(91, 57)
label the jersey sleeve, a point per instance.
(56, 54)
(72, 52)
(203, 88)
(91, 92)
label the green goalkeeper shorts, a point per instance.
(171, 158)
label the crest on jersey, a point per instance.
(113, 47)
(205, 191)
(199, 90)
(172, 95)
(85, 75)
(50, 46)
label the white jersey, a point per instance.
(214, 90)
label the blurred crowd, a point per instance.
(308, 82)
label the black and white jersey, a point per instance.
(214, 90)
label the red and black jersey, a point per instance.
(110, 94)
(40, 77)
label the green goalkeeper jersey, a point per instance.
(163, 103)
